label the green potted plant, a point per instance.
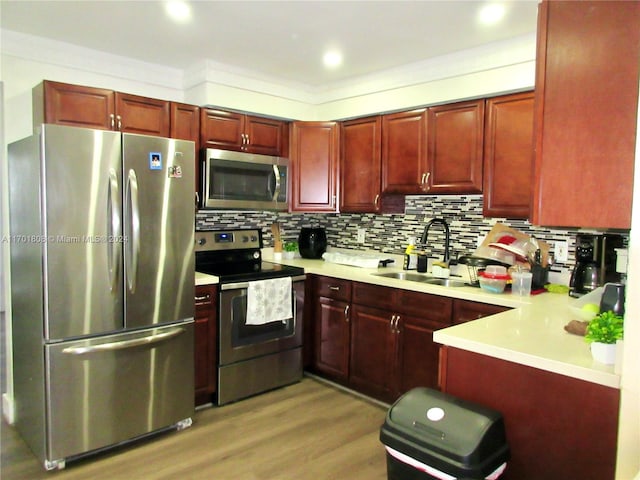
(290, 249)
(603, 331)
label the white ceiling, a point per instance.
(273, 39)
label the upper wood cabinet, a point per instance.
(146, 116)
(237, 131)
(314, 166)
(360, 164)
(80, 106)
(404, 152)
(455, 140)
(585, 113)
(185, 122)
(508, 156)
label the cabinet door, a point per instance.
(585, 114)
(314, 164)
(455, 147)
(418, 364)
(465, 310)
(404, 152)
(373, 351)
(205, 348)
(185, 125)
(508, 156)
(265, 135)
(146, 116)
(185, 122)
(360, 165)
(73, 105)
(332, 338)
(220, 129)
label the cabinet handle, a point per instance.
(112, 119)
(394, 323)
(425, 180)
(203, 298)
(246, 136)
(119, 118)
(398, 324)
(334, 288)
(376, 201)
(346, 313)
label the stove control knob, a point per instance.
(202, 241)
(256, 255)
(254, 238)
(245, 239)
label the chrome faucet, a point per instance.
(425, 236)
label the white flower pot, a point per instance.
(604, 352)
(288, 255)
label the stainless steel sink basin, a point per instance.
(417, 277)
(414, 277)
(445, 282)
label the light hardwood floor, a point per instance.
(309, 430)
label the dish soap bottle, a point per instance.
(410, 257)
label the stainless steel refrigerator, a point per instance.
(102, 288)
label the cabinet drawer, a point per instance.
(205, 297)
(424, 305)
(465, 310)
(335, 288)
(374, 296)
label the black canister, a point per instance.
(613, 298)
(312, 242)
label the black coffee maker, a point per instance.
(595, 262)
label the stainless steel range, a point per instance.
(259, 314)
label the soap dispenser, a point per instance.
(410, 256)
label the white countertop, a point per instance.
(205, 279)
(530, 334)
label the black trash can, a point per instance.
(431, 435)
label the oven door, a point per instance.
(239, 341)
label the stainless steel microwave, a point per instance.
(244, 181)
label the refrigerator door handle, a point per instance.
(114, 230)
(133, 217)
(136, 342)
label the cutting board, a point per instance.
(277, 238)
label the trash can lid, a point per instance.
(453, 435)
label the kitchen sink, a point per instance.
(417, 277)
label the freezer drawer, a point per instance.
(109, 389)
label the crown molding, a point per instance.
(486, 57)
(44, 50)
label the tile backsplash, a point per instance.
(391, 233)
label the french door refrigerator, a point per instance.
(102, 288)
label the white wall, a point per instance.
(628, 465)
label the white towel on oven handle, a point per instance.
(269, 301)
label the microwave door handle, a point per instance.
(276, 191)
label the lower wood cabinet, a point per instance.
(332, 327)
(205, 348)
(574, 434)
(377, 340)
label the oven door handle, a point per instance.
(241, 285)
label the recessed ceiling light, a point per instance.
(332, 59)
(178, 10)
(491, 14)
